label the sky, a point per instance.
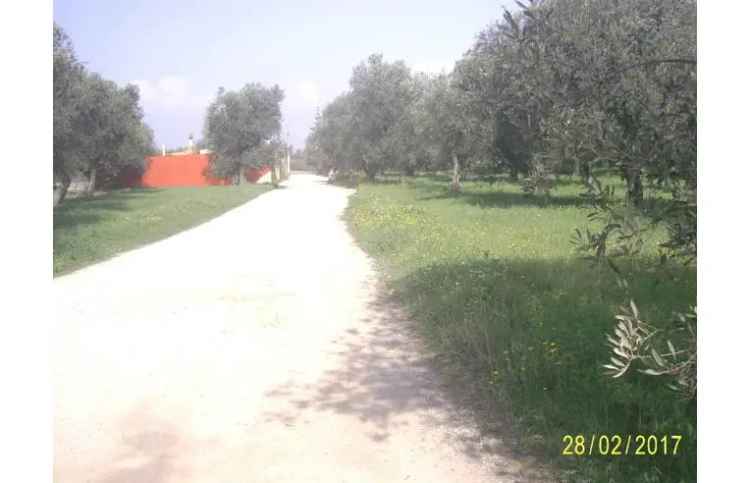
(180, 52)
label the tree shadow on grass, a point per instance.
(481, 310)
(83, 211)
(503, 199)
(437, 178)
(501, 193)
(386, 180)
(497, 195)
(424, 358)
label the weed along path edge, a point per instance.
(256, 348)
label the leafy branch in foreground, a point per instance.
(621, 233)
(637, 343)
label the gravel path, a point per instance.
(253, 348)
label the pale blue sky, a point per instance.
(180, 52)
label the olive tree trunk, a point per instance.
(275, 174)
(92, 182)
(456, 181)
(635, 186)
(513, 173)
(59, 194)
(370, 170)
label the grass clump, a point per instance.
(89, 230)
(494, 282)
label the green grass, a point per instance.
(94, 229)
(495, 284)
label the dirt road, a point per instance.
(253, 348)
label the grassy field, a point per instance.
(94, 229)
(493, 280)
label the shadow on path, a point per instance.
(383, 376)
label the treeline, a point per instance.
(560, 86)
(98, 128)
(99, 132)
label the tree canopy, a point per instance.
(243, 128)
(560, 86)
(98, 127)
(574, 87)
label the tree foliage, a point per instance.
(557, 87)
(652, 350)
(67, 74)
(455, 122)
(331, 142)
(116, 137)
(365, 128)
(243, 128)
(98, 127)
(380, 95)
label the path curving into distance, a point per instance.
(253, 348)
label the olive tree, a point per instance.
(243, 128)
(332, 142)
(115, 136)
(456, 124)
(67, 75)
(619, 78)
(98, 126)
(381, 93)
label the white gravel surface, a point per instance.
(253, 348)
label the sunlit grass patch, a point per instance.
(493, 279)
(90, 230)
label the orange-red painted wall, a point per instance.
(254, 174)
(180, 170)
(185, 170)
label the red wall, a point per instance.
(254, 174)
(179, 170)
(187, 170)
